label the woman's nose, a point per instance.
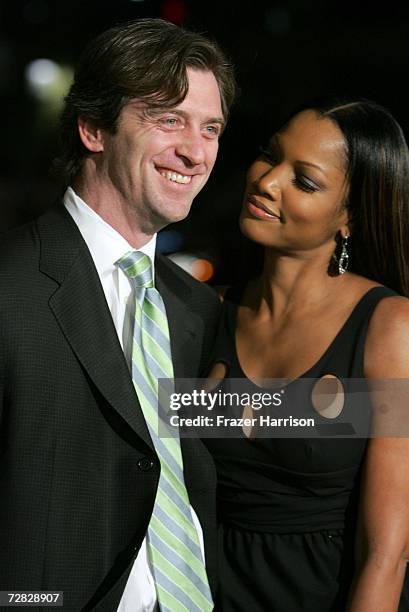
(269, 184)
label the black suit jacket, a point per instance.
(78, 472)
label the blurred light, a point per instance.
(278, 20)
(202, 269)
(48, 81)
(183, 260)
(198, 267)
(169, 241)
(173, 10)
(41, 73)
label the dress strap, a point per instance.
(345, 355)
(364, 312)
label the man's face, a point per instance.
(157, 162)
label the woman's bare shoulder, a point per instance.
(387, 342)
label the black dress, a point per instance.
(287, 507)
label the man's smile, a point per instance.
(175, 177)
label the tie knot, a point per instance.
(137, 266)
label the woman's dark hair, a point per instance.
(378, 196)
(145, 59)
(377, 169)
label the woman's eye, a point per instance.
(304, 184)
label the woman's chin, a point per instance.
(255, 231)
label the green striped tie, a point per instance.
(173, 544)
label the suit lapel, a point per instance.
(81, 311)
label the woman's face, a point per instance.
(296, 189)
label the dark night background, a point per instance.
(284, 52)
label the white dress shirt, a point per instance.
(106, 246)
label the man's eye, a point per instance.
(170, 121)
(212, 130)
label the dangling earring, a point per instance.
(343, 260)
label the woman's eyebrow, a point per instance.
(275, 144)
(307, 163)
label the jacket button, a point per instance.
(145, 464)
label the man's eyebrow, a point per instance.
(219, 120)
(185, 115)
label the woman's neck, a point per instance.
(294, 284)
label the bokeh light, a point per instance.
(173, 10)
(48, 81)
(200, 268)
(41, 74)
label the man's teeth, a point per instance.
(176, 178)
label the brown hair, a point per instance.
(145, 59)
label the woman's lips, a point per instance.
(257, 209)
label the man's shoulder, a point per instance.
(21, 246)
(15, 242)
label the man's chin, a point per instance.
(162, 218)
(177, 213)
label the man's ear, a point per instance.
(91, 137)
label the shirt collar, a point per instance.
(106, 245)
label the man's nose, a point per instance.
(191, 148)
